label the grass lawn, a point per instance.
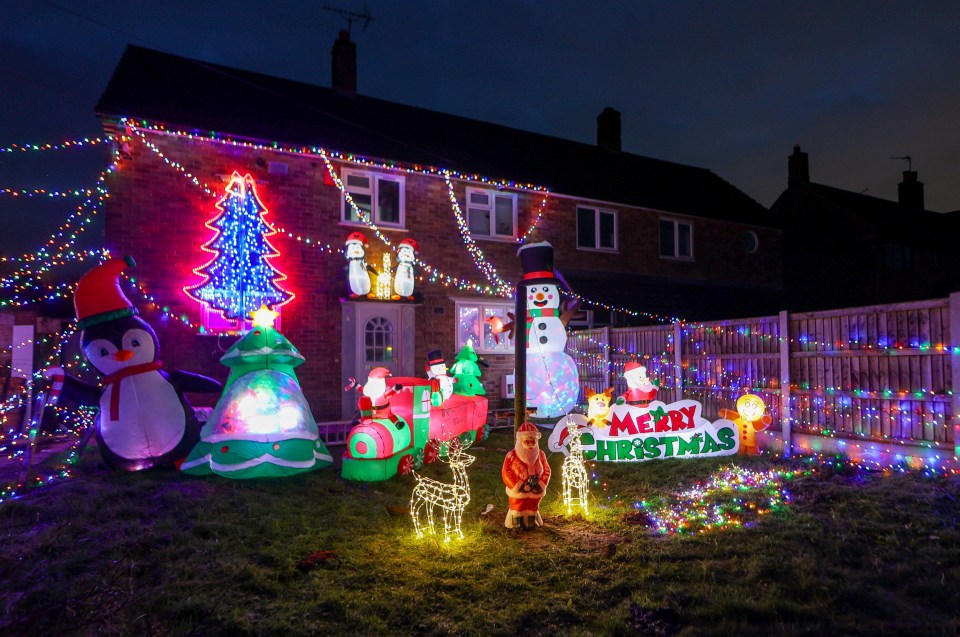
(162, 553)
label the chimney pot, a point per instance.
(344, 77)
(608, 129)
(798, 168)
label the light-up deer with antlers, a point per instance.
(574, 471)
(450, 498)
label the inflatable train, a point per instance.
(379, 449)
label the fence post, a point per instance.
(608, 381)
(678, 359)
(955, 370)
(785, 419)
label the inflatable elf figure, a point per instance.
(262, 426)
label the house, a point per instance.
(843, 248)
(635, 233)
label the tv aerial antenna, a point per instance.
(909, 161)
(352, 16)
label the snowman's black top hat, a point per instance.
(434, 357)
(536, 259)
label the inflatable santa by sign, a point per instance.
(526, 474)
(641, 391)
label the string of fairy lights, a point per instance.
(26, 287)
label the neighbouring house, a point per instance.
(844, 249)
(635, 233)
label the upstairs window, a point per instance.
(380, 197)
(491, 213)
(596, 229)
(676, 239)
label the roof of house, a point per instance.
(888, 218)
(196, 95)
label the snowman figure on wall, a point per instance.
(358, 271)
(403, 279)
(145, 421)
(553, 383)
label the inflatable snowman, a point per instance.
(553, 382)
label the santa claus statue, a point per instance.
(526, 475)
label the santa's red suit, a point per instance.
(525, 473)
(640, 397)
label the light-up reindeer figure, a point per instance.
(575, 479)
(450, 498)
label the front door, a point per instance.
(375, 335)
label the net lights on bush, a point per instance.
(732, 497)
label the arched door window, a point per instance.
(378, 340)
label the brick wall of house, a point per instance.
(158, 216)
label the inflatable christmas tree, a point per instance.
(262, 425)
(466, 371)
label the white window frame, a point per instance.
(596, 229)
(676, 239)
(374, 191)
(506, 344)
(491, 207)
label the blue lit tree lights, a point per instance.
(240, 277)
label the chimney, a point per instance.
(910, 191)
(798, 168)
(344, 78)
(608, 129)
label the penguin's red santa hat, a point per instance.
(356, 237)
(99, 298)
(410, 242)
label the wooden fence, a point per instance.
(876, 383)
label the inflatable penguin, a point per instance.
(145, 421)
(358, 271)
(403, 280)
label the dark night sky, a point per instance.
(729, 86)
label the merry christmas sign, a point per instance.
(634, 434)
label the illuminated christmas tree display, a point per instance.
(262, 425)
(239, 276)
(467, 372)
